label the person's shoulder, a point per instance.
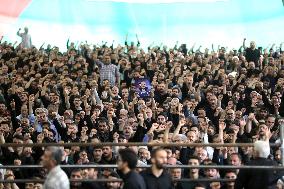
(135, 177)
(145, 172)
(262, 161)
(167, 174)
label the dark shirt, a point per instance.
(133, 180)
(252, 55)
(257, 178)
(164, 181)
(105, 161)
(187, 185)
(185, 153)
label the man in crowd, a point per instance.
(253, 179)
(127, 162)
(56, 177)
(26, 38)
(156, 177)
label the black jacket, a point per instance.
(257, 178)
(133, 180)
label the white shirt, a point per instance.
(56, 179)
(26, 40)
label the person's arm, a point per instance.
(248, 125)
(197, 94)
(176, 46)
(177, 130)
(60, 126)
(244, 43)
(125, 43)
(222, 126)
(67, 44)
(167, 131)
(31, 104)
(117, 76)
(242, 127)
(16, 43)
(280, 47)
(96, 96)
(18, 32)
(141, 130)
(66, 98)
(2, 139)
(138, 42)
(31, 41)
(189, 114)
(212, 47)
(14, 120)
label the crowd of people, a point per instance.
(90, 94)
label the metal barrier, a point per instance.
(167, 166)
(133, 144)
(113, 180)
(281, 145)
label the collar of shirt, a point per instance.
(150, 173)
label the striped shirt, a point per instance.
(109, 72)
(56, 179)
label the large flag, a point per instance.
(224, 22)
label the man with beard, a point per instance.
(161, 93)
(104, 133)
(76, 174)
(156, 177)
(108, 156)
(113, 185)
(263, 129)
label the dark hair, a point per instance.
(155, 151)
(200, 185)
(75, 170)
(230, 171)
(194, 157)
(114, 174)
(102, 120)
(129, 156)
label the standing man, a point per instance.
(108, 71)
(252, 53)
(127, 162)
(26, 38)
(262, 178)
(56, 177)
(156, 177)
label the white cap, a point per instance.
(233, 74)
